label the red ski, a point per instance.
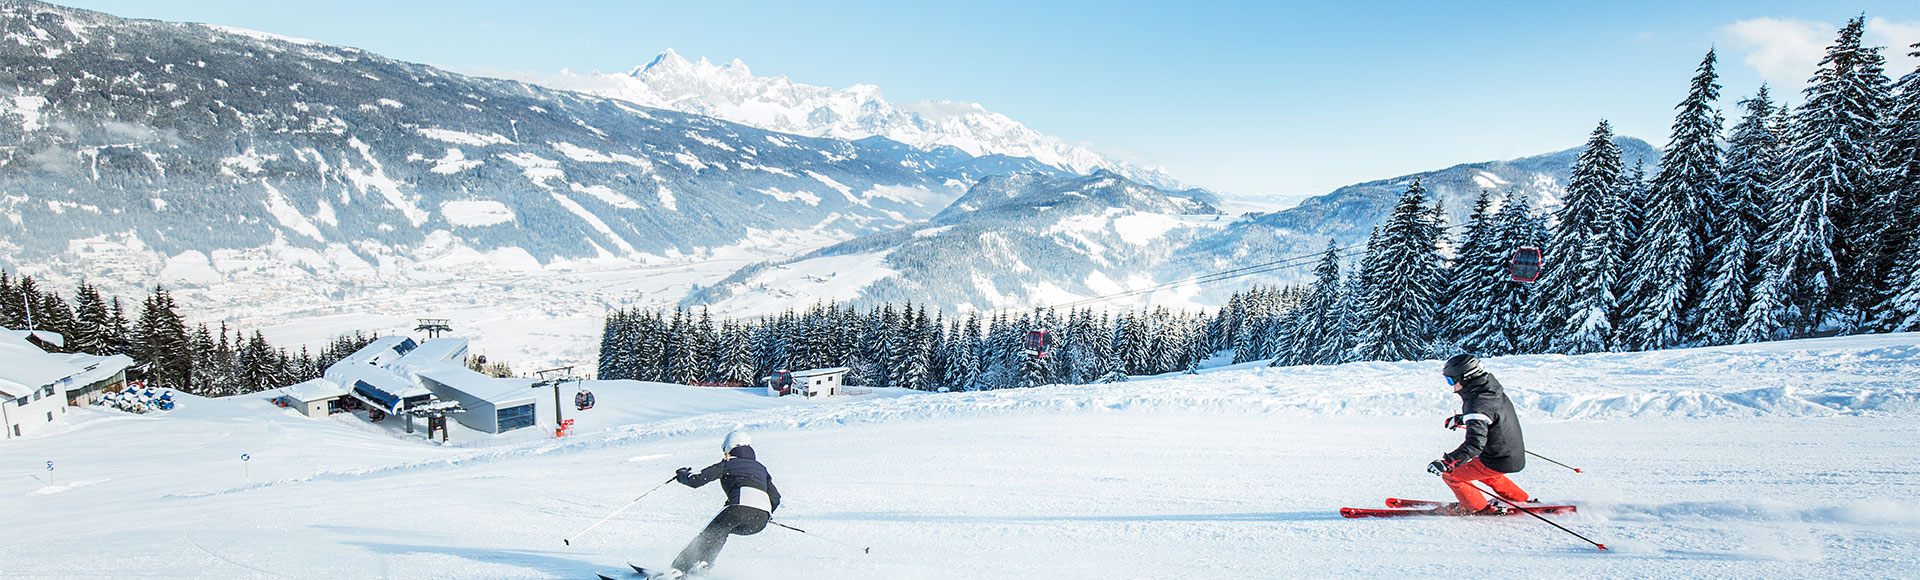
(1433, 509)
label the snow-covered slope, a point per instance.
(732, 92)
(1010, 242)
(1791, 459)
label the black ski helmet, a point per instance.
(1462, 367)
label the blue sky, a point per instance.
(1244, 97)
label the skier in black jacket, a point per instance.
(751, 499)
(1493, 446)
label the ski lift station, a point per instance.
(37, 386)
(812, 383)
(394, 375)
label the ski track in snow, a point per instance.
(1793, 459)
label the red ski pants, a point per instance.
(1462, 477)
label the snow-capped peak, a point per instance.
(733, 93)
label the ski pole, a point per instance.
(866, 550)
(1550, 460)
(569, 540)
(1476, 487)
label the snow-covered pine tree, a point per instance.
(736, 356)
(1576, 308)
(1829, 180)
(1510, 314)
(1666, 269)
(1899, 204)
(967, 355)
(1407, 277)
(206, 374)
(91, 319)
(1117, 348)
(1338, 345)
(1318, 314)
(1479, 269)
(1752, 165)
(164, 344)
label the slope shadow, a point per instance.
(1219, 517)
(541, 561)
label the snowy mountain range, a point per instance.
(1029, 240)
(733, 93)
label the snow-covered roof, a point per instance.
(392, 385)
(96, 368)
(24, 367)
(818, 372)
(314, 390)
(438, 350)
(381, 351)
(479, 386)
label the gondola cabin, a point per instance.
(1525, 266)
(583, 400)
(1037, 342)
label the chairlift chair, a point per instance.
(1525, 266)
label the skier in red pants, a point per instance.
(1493, 446)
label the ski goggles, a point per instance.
(1451, 382)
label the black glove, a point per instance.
(1441, 466)
(1455, 422)
(683, 472)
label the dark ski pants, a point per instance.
(735, 520)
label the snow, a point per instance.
(454, 161)
(1143, 228)
(1232, 473)
(464, 138)
(192, 267)
(731, 92)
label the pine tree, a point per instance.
(1752, 165)
(1899, 203)
(163, 344)
(1479, 269)
(1407, 278)
(92, 322)
(1577, 306)
(1509, 317)
(1829, 180)
(1684, 199)
(1319, 316)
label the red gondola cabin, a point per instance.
(1526, 264)
(1037, 342)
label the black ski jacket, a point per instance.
(738, 470)
(1493, 430)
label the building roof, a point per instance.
(96, 368)
(24, 367)
(479, 386)
(438, 350)
(381, 351)
(818, 372)
(314, 390)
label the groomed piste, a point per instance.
(1788, 459)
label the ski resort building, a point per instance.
(316, 399)
(37, 387)
(394, 375)
(812, 383)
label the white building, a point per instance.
(315, 399)
(36, 387)
(393, 374)
(812, 383)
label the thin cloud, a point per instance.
(1786, 51)
(1898, 37)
